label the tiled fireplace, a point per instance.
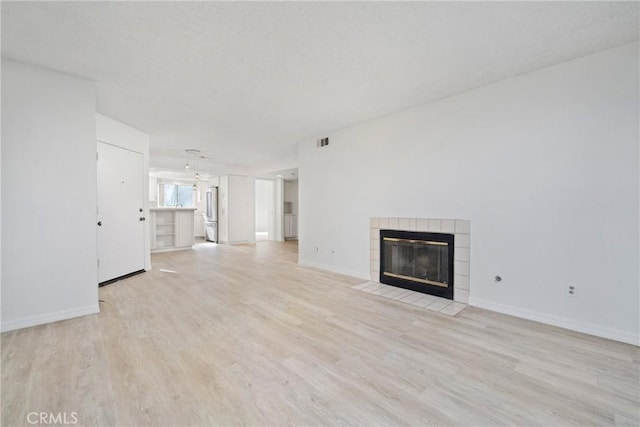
(423, 236)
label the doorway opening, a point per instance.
(265, 193)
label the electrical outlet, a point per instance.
(317, 248)
(571, 291)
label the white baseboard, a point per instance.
(562, 322)
(333, 269)
(41, 319)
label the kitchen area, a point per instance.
(181, 211)
(184, 210)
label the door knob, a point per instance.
(99, 223)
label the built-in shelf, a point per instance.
(171, 229)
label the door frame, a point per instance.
(113, 132)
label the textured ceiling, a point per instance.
(245, 81)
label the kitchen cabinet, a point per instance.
(184, 228)
(290, 209)
(171, 229)
(290, 226)
(290, 197)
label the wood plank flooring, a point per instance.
(241, 335)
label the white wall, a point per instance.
(285, 161)
(262, 207)
(241, 209)
(278, 210)
(545, 165)
(49, 262)
(116, 133)
(223, 209)
(236, 208)
(0, 210)
(214, 181)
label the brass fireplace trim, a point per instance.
(416, 279)
(426, 242)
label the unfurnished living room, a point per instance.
(320, 213)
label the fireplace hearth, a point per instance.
(420, 261)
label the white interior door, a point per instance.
(120, 212)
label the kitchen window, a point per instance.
(175, 196)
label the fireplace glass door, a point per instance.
(418, 261)
(423, 261)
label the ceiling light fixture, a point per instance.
(195, 153)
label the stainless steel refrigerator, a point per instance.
(211, 219)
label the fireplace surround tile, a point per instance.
(460, 282)
(448, 226)
(461, 267)
(461, 254)
(412, 298)
(453, 308)
(401, 293)
(437, 305)
(434, 225)
(423, 301)
(460, 228)
(461, 241)
(461, 295)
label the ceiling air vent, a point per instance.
(323, 142)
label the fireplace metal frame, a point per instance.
(425, 288)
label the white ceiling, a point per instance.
(245, 81)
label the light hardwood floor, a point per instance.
(243, 336)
